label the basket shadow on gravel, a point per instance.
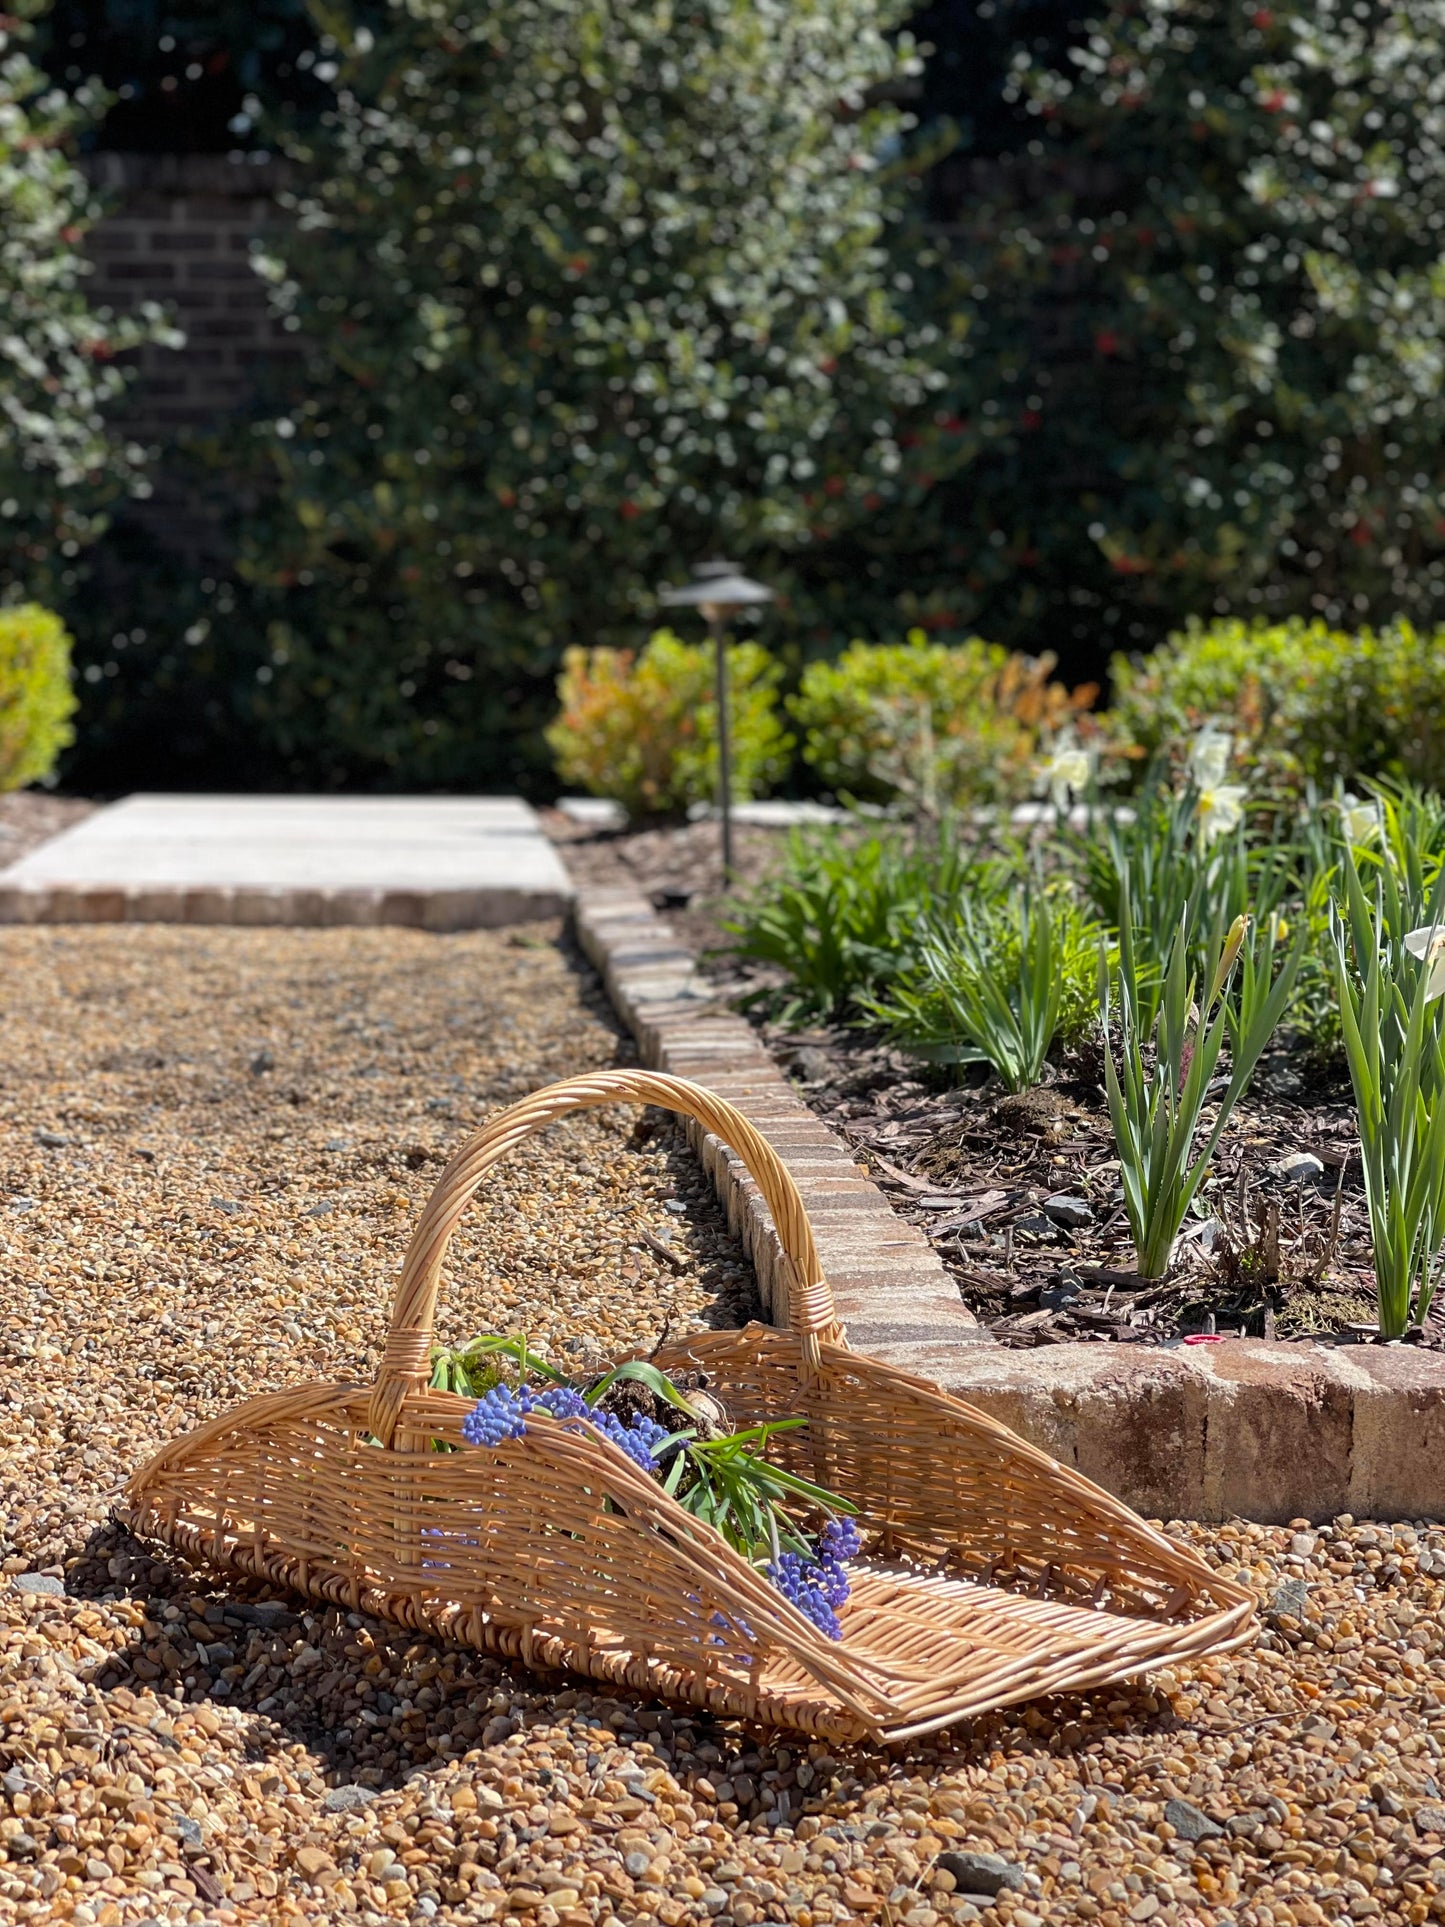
(434, 1703)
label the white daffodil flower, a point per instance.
(1429, 944)
(1219, 809)
(1067, 770)
(1361, 820)
(1209, 756)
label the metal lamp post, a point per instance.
(719, 590)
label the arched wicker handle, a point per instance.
(405, 1366)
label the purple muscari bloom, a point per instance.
(558, 1401)
(637, 1440)
(818, 1587)
(498, 1414)
(797, 1582)
(840, 1539)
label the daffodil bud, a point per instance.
(1229, 956)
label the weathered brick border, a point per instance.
(268, 905)
(1269, 1432)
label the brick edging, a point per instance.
(265, 905)
(1270, 1432)
(892, 1290)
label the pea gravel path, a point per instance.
(211, 1147)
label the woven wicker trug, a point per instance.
(990, 1573)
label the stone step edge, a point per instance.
(263, 905)
(1239, 1428)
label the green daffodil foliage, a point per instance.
(1391, 979)
(1168, 1046)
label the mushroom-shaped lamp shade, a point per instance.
(716, 588)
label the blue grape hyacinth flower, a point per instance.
(498, 1414)
(558, 1401)
(839, 1540)
(818, 1587)
(802, 1583)
(639, 1439)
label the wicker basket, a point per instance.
(992, 1573)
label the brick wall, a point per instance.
(179, 232)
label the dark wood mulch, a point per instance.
(29, 818)
(677, 867)
(1020, 1196)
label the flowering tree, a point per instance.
(61, 465)
(1212, 351)
(584, 294)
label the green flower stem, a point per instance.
(1394, 1036)
(1156, 1104)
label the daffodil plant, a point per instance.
(1157, 1096)
(1067, 772)
(1391, 983)
(1181, 856)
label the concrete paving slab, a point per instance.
(431, 862)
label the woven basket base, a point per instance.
(962, 1610)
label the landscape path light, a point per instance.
(719, 590)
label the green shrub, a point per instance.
(1318, 702)
(1205, 324)
(643, 728)
(932, 724)
(580, 295)
(36, 701)
(62, 464)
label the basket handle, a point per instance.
(405, 1365)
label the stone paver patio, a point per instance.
(432, 862)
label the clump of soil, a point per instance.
(629, 1398)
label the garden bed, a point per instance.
(1019, 1194)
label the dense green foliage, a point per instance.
(996, 983)
(643, 729)
(1314, 701)
(934, 724)
(36, 703)
(846, 913)
(1206, 355)
(583, 293)
(61, 465)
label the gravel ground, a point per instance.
(213, 1144)
(29, 818)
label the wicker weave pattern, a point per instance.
(996, 1574)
